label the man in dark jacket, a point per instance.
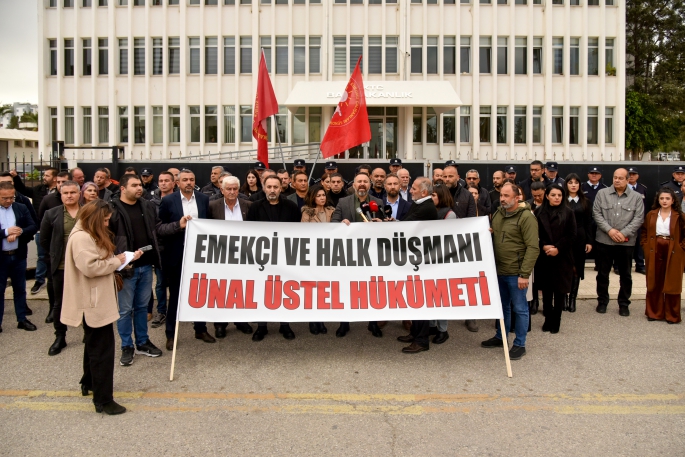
(133, 223)
(212, 187)
(535, 176)
(464, 204)
(149, 184)
(472, 176)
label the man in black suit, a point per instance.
(273, 208)
(399, 205)
(590, 189)
(17, 228)
(464, 204)
(423, 209)
(535, 176)
(174, 213)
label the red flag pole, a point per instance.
(280, 147)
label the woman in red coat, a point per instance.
(663, 240)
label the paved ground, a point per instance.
(604, 385)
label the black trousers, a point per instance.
(172, 275)
(638, 253)
(419, 330)
(553, 302)
(56, 280)
(620, 257)
(98, 362)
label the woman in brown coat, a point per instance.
(663, 240)
(90, 297)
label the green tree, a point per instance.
(14, 123)
(641, 122)
(5, 109)
(30, 118)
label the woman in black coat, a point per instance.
(582, 244)
(554, 267)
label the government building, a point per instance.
(503, 80)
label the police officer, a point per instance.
(590, 189)
(676, 183)
(638, 253)
(395, 165)
(552, 173)
(510, 173)
(301, 165)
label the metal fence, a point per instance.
(29, 170)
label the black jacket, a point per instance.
(25, 221)
(36, 194)
(121, 226)
(424, 211)
(464, 204)
(169, 230)
(19, 198)
(52, 235)
(555, 272)
(210, 190)
(287, 211)
(52, 200)
(526, 183)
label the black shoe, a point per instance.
(29, 311)
(642, 271)
(148, 349)
(37, 287)
(651, 319)
(59, 344)
(601, 309)
(0, 328)
(441, 337)
(127, 355)
(433, 331)
(492, 343)
(322, 328)
(375, 329)
(112, 408)
(342, 329)
(616, 271)
(623, 311)
(287, 332)
(534, 305)
(220, 332)
(260, 333)
(673, 323)
(545, 327)
(516, 352)
(51, 317)
(26, 325)
(244, 327)
(313, 328)
(85, 390)
(565, 305)
(158, 321)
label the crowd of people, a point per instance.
(543, 227)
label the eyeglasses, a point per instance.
(7, 199)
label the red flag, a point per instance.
(265, 105)
(349, 126)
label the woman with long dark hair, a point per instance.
(582, 244)
(251, 184)
(663, 240)
(90, 298)
(554, 267)
(443, 201)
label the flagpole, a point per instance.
(280, 148)
(311, 173)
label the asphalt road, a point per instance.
(605, 385)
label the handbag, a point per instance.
(118, 281)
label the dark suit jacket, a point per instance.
(425, 211)
(52, 235)
(288, 211)
(346, 210)
(26, 223)
(403, 208)
(217, 211)
(169, 228)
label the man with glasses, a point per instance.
(535, 176)
(472, 176)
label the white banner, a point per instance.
(285, 272)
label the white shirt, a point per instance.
(421, 200)
(404, 194)
(7, 220)
(232, 214)
(574, 199)
(663, 227)
(394, 207)
(189, 206)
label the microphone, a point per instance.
(374, 207)
(387, 210)
(359, 211)
(365, 207)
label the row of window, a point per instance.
(306, 125)
(381, 53)
(26, 144)
(89, 3)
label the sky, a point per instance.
(18, 51)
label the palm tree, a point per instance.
(30, 118)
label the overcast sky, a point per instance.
(18, 51)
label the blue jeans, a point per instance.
(160, 292)
(41, 266)
(510, 293)
(133, 300)
(14, 268)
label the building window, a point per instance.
(229, 124)
(465, 55)
(194, 44)
(174, 56)
(157, 124)
(123, 2)
(593, 56)
(87, 57)
(103, 125)
(464, 124)
(501, 124)
(449, 127)
(265, 45)
(229, 55)
(158, 56)
(245, 123)
(575, 2)
(537, 56)
(139, 124)
(537, 124)
(557, 124)
(123, 124)
(593, 2)
(557, 2)
(245, 54)
(432, 55)
(356, 51)
(246, 2)
(281, 55)
(575, 56)
(592, 125)
(608, 125)
(174, 124)
(609, 2)
(449, 55)
(53, 57)
(52, 4)
(299, 55)
(416, 43)
(521, 56)
(391, 54)
(69, 125)
(211, 124)
(314, 54)
(485, 54)
(431, 126)
(68, 3)
(574, 125)
(68, 57)
(485, 112)
(609, 57)
(103, 56)
(211, 56)
(139, 56)
(501, 55)
(54, 132)
(194, 2)
(123, 56)
(138, 2)
(87, 125)
(558, 55)
(519, 124)
(211, 2)
(418, 111)
(194, 124)
(339, 54)
(375, 55)
(314, 124)
(299, 126)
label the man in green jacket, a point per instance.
(515, 241)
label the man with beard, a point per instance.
(399, 205)
(472, 176)
(497, 181)
(338, 190)
(260, 194)
(437, 175)
(284, 176)
(378, 179)
(464, 204)
(273, 208)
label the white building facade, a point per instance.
(445, 79)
